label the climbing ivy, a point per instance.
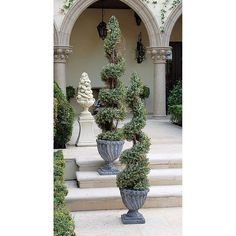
(167, 5)
(67, 5)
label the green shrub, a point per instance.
(70, 92)
(175, 97)
(176, 114)
(146, 92)
(63, 223)
(175, 104)
(134, 176)
(63, 122)
(112, 97)
(55, 107)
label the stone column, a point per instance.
(61, 53)
(159, 55)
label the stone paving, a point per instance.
(159, 222)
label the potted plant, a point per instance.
(110, 142)
(133, 180)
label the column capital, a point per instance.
(159, 54)
(61, 53)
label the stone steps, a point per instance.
(79, 199)
(157, 177)
(157, 161)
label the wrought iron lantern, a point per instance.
(140, 50)
(102, 27)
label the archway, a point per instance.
(138, 6)
(170, 23)
(173, 38)
(55, 34)
(88, 51)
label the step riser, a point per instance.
(177, 165)
(116, 203)
(112, 183)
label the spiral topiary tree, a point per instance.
(133, 180)
(110, 142)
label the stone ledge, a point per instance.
(109, 198)
(157, 177)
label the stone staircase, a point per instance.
(87, 190)
(90, 191)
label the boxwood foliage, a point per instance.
(63, 223)
(112, 97)
(63, 119)
(134, 176)
(175, 104)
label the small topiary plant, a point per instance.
(134, 176)
(63, 120)
(70, 92)
(112, 97)
(175, 104)
(146, 92)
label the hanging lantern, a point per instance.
(140, 50)
(102, 27)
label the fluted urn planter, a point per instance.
(133, 200)
(109, 151)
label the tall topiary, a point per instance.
(133, 180)
(63, 118)
(111, 97)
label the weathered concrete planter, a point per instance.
(109, 151)
(133, 200)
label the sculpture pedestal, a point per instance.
(86, 136)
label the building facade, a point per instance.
(78, 47)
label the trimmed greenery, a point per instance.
(63, 223)
(112, 97)
(176, 114)
(63, 119)
(175, 104)
(70, 92)
(146, 92)
(134, 176)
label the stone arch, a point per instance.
(142, 9)
(55, 34)
(170, 22)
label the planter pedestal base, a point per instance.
(108, 169)
(132, 217)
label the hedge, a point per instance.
(63, 118)
(63, 223)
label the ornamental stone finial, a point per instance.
(159, 54)
(85, 94)
(61, 53)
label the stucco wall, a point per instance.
(88, 53)
(176, 35)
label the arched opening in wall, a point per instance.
(174, 66)
(88, 52)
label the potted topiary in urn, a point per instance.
(110, 142)
(133, 180)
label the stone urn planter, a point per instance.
(133, 200)
(109, 151)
